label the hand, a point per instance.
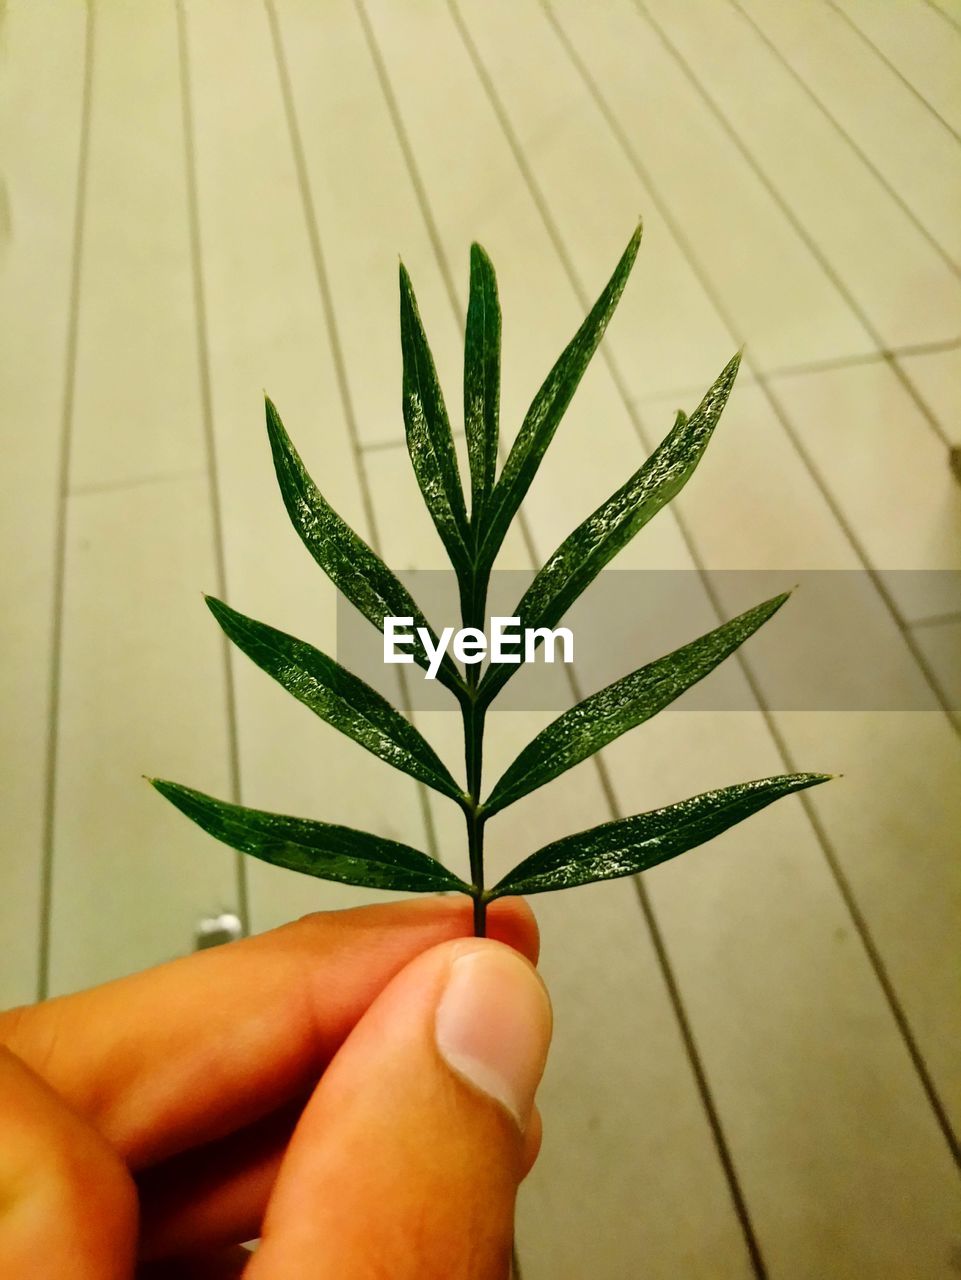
(356, 1088)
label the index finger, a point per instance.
(176, 1056)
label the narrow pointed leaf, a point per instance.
(429, 440)
(482, 373)
(352, 566)
(318, 849)
(549, 406)
(630, 845)
(621, 706)
(337, 696)
(584, 553)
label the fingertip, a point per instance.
(439, 916)
(493, 1023)
(512, 921)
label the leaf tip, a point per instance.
(216, 607)
(630, 253)
(275, 426)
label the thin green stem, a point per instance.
(473, 611)
(474, 757)
(475, 844)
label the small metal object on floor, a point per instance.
(213, 930)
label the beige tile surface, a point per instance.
(915, 41)
(132, 548)
(941, 645)
(41, 87)
(937, 377)
(892, 128)
(896, 820)
(488, 198)
(131, 876)
(951, 9)
(885, 468)
(732, 226)
(784, 1004)
(136, 354)
(367, 214)
(903, 287)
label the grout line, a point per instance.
(784, 205)
(885, 354)
(891, 67)
(925, 348)
(739, 1202)
(60, 532)
(936, 620)
(134, 482)
(210, 443)
(407, 152)
(862, 155)
(379, 446)
(336, 350)
(320, 268)
(748, 378)
(827, 847)
(936, 8)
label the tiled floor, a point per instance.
(758, 1059)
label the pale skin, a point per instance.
(288, 1086)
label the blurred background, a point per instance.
(757, 1065)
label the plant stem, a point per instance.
(473, 609)
(475, 844)
(474, 755)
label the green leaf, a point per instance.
(337, 696)
(348, 561)
(549, 406)
(316, 848)
(584, 553)
(630, 845)
(621, 706)
(429, 440)
(482, 374)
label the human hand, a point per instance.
(149, 1125)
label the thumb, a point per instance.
(407, 1159)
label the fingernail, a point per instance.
(493, 1026)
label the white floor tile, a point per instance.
(40, 112)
